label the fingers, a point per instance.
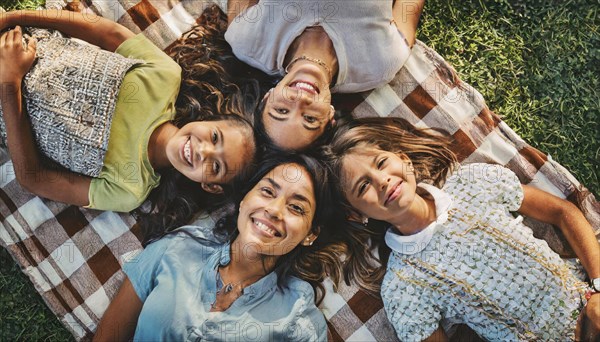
(3, 38)
(17, 36)
(10, 36)
(32, 45)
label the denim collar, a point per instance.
(255, 291)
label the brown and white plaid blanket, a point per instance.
(74, 256)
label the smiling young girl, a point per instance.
(458, 254)
(143, 142)
(254, 279)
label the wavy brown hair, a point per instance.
(432, 159)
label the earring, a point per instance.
(365, 221)
(309, 241)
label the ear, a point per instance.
(311, 237)
(356, 216)
(332, 114)
(212, 188)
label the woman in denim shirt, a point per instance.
(256, 281)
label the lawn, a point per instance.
(536, 62)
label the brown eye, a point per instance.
(215, 137)
(310, 119)
(282, 110)
(362, 188)
(297, 209)
(266, 191)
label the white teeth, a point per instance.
(187, 152)
(305, 86)
(264, 227)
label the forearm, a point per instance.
(545, 207)
(20, 141)
(94, 29)
(580, 236)
(406, 14)
(120, 318)
(30, 171)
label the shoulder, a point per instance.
(480, 184)
(481, 175)
(139, 47)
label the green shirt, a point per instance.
(145, 101)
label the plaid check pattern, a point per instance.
(74, 255)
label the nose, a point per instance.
(274, 208)
(383, 180)
(205, 151)
(300, 96)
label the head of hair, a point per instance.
(432, 159)
(311, 263)
(215, 86)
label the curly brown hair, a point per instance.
(215, 86)
(214, 81)
(432, 159)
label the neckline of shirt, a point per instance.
(415, 243)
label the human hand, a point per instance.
(591, 319)
(15, 58)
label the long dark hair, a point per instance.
(215, 86)
(311, 263)
(432, 159)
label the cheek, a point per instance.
(301, 228)
(367, 204)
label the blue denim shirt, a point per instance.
(175, 278)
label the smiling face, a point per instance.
(277, 214)
(378, 184)
(211, 152)
(298, 109)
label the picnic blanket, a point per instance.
(74, 256)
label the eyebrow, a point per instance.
(302, 199)
(222, 137)
(274, 183)
(354, 187)
(295, 196)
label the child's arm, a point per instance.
(93, 29)
(548, 208)
(66, 186)
(120, 319)
(406, 15)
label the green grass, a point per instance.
(535, 62)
